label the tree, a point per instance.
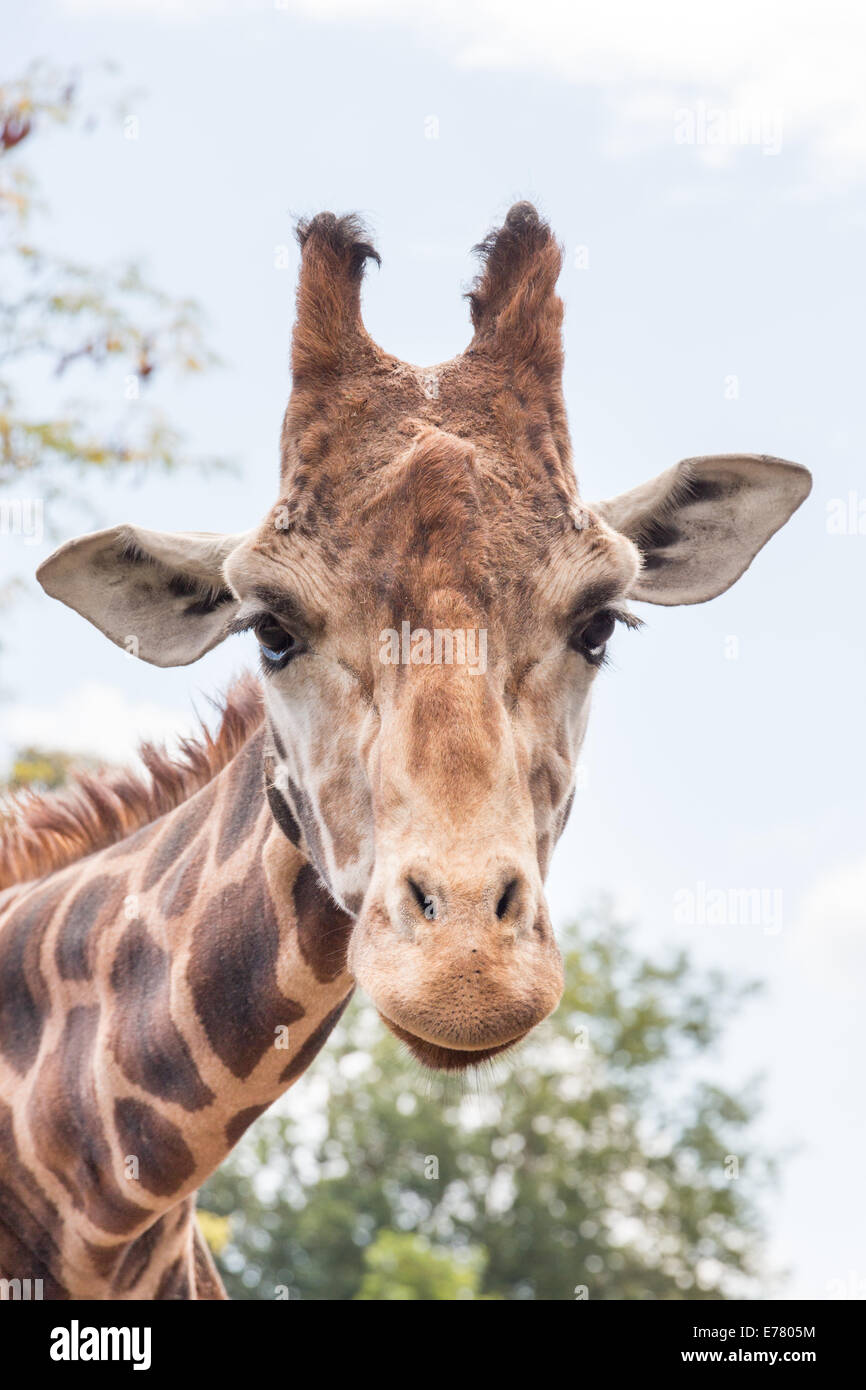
(402, 1266)
(44, 769)
(58, 315)
(600, 1161)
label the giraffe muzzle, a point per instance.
(459, 972)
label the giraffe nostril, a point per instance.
(506, 899)
(424, 901)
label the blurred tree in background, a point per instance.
(597, 1156)
(39, 770)
(59, 318)
(401, 1265)
(44, 769)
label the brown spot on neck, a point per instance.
(232, 973)
(323, 927)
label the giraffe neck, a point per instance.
(155, 998)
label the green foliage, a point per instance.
(36, 769)
(400, 1265)
(43, 769)
(596, 1155)
(57, 314)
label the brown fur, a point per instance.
(515, 308)
(328, 330)
(40, 834)
(137, 1023)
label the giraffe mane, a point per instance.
(41, 833)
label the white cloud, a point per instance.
(829, 940)
(94, 719)
(757, 59)
(797, 59)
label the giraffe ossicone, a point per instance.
(173, 955)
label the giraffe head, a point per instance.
(432, 602)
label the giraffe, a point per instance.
(377, 810)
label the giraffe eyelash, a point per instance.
(619, 615)
(627, 618)
(272, 658)
(245, 624)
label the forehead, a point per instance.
(442, 524)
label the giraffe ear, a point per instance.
(160, 595)
(699, 525)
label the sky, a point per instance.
(705, 170)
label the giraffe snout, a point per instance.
(507, 898)
(459, 967)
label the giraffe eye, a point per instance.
(277, 645)
(591, 640)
